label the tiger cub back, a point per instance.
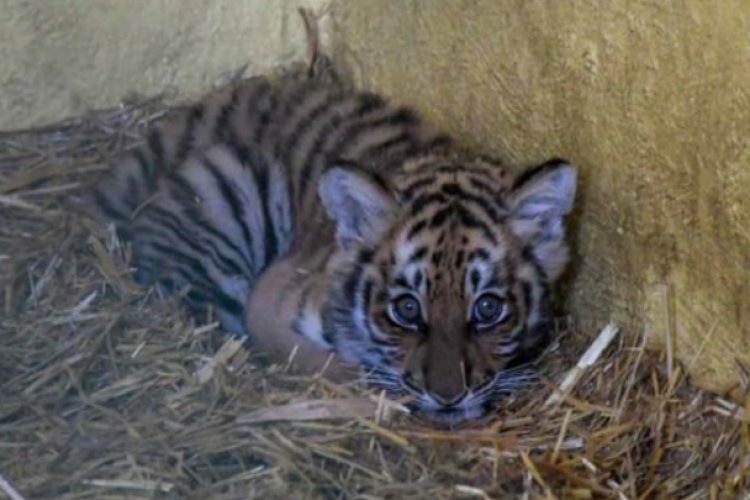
(213, 196)
(306, 211)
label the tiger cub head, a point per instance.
(442, 288)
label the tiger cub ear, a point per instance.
(359, 202)
(540, 199)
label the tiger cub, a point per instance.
(318, 218)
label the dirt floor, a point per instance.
(108, 391)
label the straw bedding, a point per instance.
(109, 391)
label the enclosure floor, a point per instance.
(108, 391)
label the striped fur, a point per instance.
(348, 203)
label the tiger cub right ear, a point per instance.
(540, 199)
(359, 202)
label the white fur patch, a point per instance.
(311, 326)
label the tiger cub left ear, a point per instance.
(359, 202)
(540, 199)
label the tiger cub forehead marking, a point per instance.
(455, 218)
(459, 264)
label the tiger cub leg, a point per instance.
(273, 317)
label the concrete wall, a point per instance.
(650, 98)
(60, 58)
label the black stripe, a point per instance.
(210, 288)
(441, 216)
(366, 123)
(387, 342)
(367, 295)
(492, 160)
(474, 278)
(317, 152)
(380, 181)
(404, 116)
(186, 140)
(199, 290)
(495, 282)
(147, 177)
(459, 259)
(529, 256)
(365, 256)
(192, 211)
(156, 145)
(452, 189)
(425, 200)
(436, 258)
(410, 190)
(369, 102)
(195, 276)
(455, 190)
(485, 186)
(416, 229)
(527, 295)
(295, 98)
(270, 242)
(487, 206)
(366, 103)
(469, 220)
(401, 281)
(448, 168)
(378, 151)
(131, 194)
(228, 303)
(418, 254)
(350, 284)
(242, 152)
(145, 167)
(479, 254)
(440, 144)
(367, 287)
(222, 128)
(418, 278)
(109, 210)
(309, 122)
(235, 205)
(330, 153)
(387, 147)
(191, 239)
(266, 113)
(198, 272)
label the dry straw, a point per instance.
(108, 391)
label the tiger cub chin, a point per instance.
(317, 218)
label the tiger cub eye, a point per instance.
(406, 311)
(489, 309)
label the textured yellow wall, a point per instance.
(650, 98)
(60, 58)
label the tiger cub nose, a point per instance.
(447, 386)
(447, 398)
